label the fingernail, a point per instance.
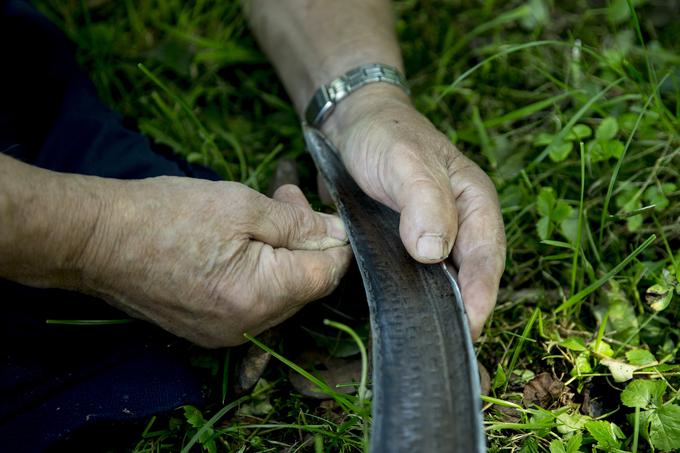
(335, 228)
(432, 247)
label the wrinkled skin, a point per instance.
(448, 205)
(209, 261)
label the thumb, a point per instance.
(292, 278)
(288, 221)
(429, 219)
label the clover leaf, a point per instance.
(552, 211)
(560, 150)
(605, 145)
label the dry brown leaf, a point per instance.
(543, 390)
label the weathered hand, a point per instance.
(447, 203)
(209, 261)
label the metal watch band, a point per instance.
(328, 96)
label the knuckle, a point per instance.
(301, 223)
(287, 191)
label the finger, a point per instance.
(480, 251)
(422, 192)
(289, 193)
(479, 277)
(293, 195)
(288, 279)
(289, 224)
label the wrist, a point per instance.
(363, 105)
(48, 218)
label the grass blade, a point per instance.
(522, 339)
(619, 162)
(493, 57)
(579, 228)
(578, 297)
(88, 322)
(325, 388)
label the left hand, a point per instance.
(447, 203)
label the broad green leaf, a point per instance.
(545, 201)
(543, 139)
(645, 417)
(557, 446)
(613, 148)
(606, 434)
(543, 228)
(659, 296)
(619, 12)
(602, 348)
(560, 151)
(522, 376)
(640, 357)
(569, 227)
(625, 197)
(499, 378)
(260, 405)
(657, 196)
(627, 120)
(628, 202)
(664, 430)
(574, 344)
(607, 129)
(543, 421)
(579, 132)
(569, 423)
(634, 223)
(561, 211)
(668, 187)
(195, 418)
(596, 151)
(622, 323)
(582, 364)
(574, 444)
(643, 393)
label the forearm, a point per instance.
(311, 42)
(46, 220)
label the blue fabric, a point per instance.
(55, 379)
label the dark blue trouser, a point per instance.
(55, 378)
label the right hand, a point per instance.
(209, 261)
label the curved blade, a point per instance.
(425, 379)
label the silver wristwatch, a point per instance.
(328, 96)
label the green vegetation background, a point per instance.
(574, 110)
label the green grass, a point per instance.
(574, 110)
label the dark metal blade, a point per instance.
(426, 395)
